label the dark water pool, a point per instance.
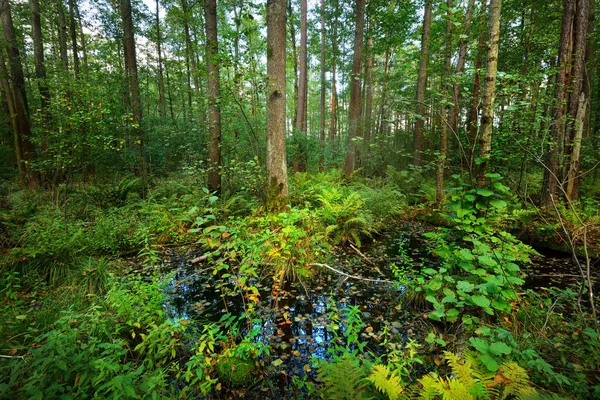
(299, 321)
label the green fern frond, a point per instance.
(343, 379)
(461, 369)
(386, 381)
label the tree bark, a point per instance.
(277, 183)
(323, 90)
(334, 51)
(73, 28)
(474, 111)
(10, 102)
(162, 104)
(460, 66)
(489, 91)
(354, 109)
(552, 173)
(62, 35)
(292, 27)
(189, 53)
(441, 167)
(301, 111)
(577, 101)
(132, 78)
(19, 94)
(83, 42)
(421, 85)
(38, 55)
(369, 92)
(214, 96)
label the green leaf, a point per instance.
(480, 301)
(489, 362)
(486, 261)
(452, 315)
(498, 348)
(435, 284)
(480, 344)
(465, 286)
(484, 192)
(499, 204)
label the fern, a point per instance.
(343, 379)
(386, 381)
(469, 380)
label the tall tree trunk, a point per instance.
(441, 167)
(62, 35)
(354, 109)
(73, 28)
(162, 106)
(460, 66)
(189, 53)
(38, 54)
(474, 110)
(292, 27)
(83, 42)
(277, 183)
(380, 115)
(489, 91)
(10, 102)
(19, 94)
(214, 96)
(132, 78)
(301, 111)
(552, 173)
(369, 92)
(334, 51)
(577, 101)
(323, 89)
(421, 85)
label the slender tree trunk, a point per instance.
(292, 27)
(10, 102)
(354, 110)
(323, 89)
(19, 94)
(334, 50)
(552, 174)
(369, 92)
(83, 42)
(301, 111)
(489, 91)
(474, 111)
(38, 54)
(277, 183)
(62, 35)
(214, 96)
(190, 57)
(73, 28)
(380, 114)
(132, 78)
(460, 66)
(577, 100)
(443, 120)
(162, 106)
(421, 85)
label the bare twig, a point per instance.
(360, 278)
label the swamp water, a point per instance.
(306, 320)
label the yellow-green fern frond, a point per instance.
(386, 381)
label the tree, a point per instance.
(421, 85)
(443, 120)
(301, 109)
(132, 79)
(38, 54)
(277, 183)
(214, 96)
(161, 81)
(21, 107)
(489, 91)
(354, 111)
(323, 89)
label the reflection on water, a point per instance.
(294, 321)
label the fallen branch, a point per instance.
(360, 278)
(3, 356)
(361, 254)
(200, 259)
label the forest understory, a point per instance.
(334, 199)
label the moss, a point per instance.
(234, 371)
